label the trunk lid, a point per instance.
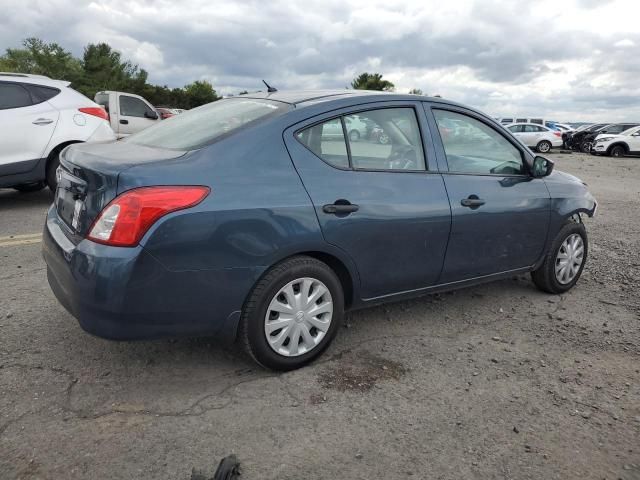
(88, 179)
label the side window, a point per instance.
(327, 141)
(516, 128)
(529, 128)
(13, 95)
(385, 139)
(133, 107)
(41, 94)
(478, 149)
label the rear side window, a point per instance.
(204, 125)
(382, 139)
(13, 95)
(41, 93)
(133, 107)
(516, 128)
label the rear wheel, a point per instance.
(585, 147)
(617, 151)
(292, 314)
(564, 261)
(52, 166)
(29, 187)
(544, 146)
(354, 135)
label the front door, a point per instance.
(377, 201)
(500, 212)
(134, 114)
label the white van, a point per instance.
(509, 120)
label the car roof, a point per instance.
(308, 97)
(527, 123)
(33, 79)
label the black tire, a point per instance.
(52, 166)
(585, 147)
(251, 332)
(617, 151)
(30, 187)
(544, 146)
(354, 135)
(544, 277)
(383, 139)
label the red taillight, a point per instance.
(558, 134)
(96, 112)
(127, 218)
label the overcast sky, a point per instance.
(565, 59)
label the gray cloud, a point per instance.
(494, 55)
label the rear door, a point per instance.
(26, 125)
(134, 114)
(383, 203)
(500, 214)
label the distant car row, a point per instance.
(613, 139)
(40, 116)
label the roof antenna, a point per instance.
(269, 88)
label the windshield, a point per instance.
(204, 125)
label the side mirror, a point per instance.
(542, 166)
(151, 115)
(637, 134)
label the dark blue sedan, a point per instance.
(264, 217)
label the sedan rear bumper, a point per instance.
(126, 294)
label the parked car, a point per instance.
(39, 117)
(269, 231)
(536, 136)
(618, 145)
(165, 112)
(612, 129)
(128, 113)
(574, 140)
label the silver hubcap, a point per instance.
(298, 317)
(544, 147)
(569, 259)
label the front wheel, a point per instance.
(354, 135)
(292, 314)
(617, 151)
(564, 261)
(544, 146)
(586, 147)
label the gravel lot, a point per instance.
(497, 381)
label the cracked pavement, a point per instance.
(496, 381)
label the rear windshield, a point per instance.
(204, 125)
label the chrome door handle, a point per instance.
(42, 121)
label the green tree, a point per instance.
(41, 58)
(101, 68)
(200, 92)
(371, 81)
(104, 69)
(415, 91)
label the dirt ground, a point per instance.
(497, 381)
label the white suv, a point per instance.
(38, 118)
(624, 143)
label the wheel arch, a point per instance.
(618, 144)
(58, 148)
